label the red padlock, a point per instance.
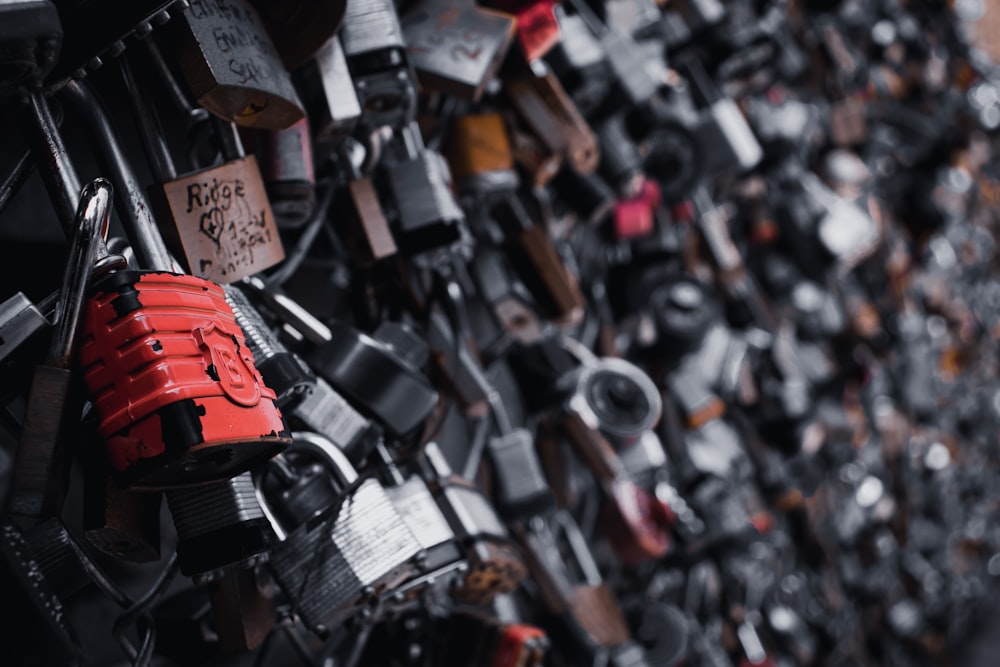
(520, 645)
(179, 398)
(537, 26)
(635, 217)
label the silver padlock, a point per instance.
(342, 542)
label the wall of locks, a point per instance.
(626, 333)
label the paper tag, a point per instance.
(224, 221)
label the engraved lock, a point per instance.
(480, 155)
(455, 46)
(286, 165)
(328, 91)
(427, 217)
(538, 264)
(219, 525)
(403, 398)
(220, 217)
(231, 66)
(495, 564)
(554, 120)
(376, 57)
(342, 541)
(300, 28)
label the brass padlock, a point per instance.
(480, 155)
(231, 65)
(545, 107)
(456, 46)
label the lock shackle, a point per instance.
(318, 447)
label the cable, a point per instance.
(294, 260)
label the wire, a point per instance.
(312, 228)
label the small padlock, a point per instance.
(520, 487)
(579, 61)
(286, 164)
(403, 397)
(455, 46)
(495, 564)
(538, 264)
(328, 91)
(536, 23)
(625, 59)
(342, 541)
(219, 525)
(231, 66)
(427, 215)
(555, 121)
(376, 57)
(480, 155)
(635, 217)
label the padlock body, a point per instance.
(168, 369)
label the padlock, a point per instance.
(536, 24)
(433, 219)
(456, 47)
(579, 61)
(555, 121)
(220, 217)
(520, 488)
(219, 525)
(30, 40)
(328, 92)
(342, 541)
(403, 398)
(508, 298)
(683, 310)
(286, 164)
(538, 264)
(375, 51)
(231, 66)
(635, 217)
(495, 564)
(728, 141)
(480, 155)
(41, 472)
(324, 411)
(625, 59)
(300, 28)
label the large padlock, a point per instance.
(376, 57)
(342, 541)
(495, 564)
(431, 219)
(219, 217)
(456, 46)
(231, 65)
